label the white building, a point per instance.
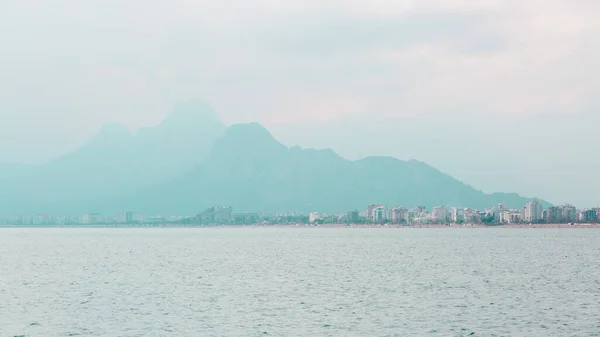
(409, 216)
(313, 217)
(500, 208)
(504, 217)
(510, 217)
(568, 213)
(125, 217)
(90, 218)
(370, 213)
(398, 214)
(41, 219)
(439, 214)
(380, 214)
(222, 215)
(533, 211)
(457, 215)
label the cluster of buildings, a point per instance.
(532, 212)
(126, 217)
(210, 216)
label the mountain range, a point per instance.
(192, 161)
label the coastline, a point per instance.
(331, 226)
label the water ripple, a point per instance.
(298, 282)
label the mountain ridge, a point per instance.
(113, 160)
(250, 170)
(192, 161)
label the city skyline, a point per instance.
(376, 214)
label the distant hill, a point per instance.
(112, 163)
(192, 161)
(249, 170)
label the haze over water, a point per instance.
(299, 282)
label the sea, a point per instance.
(299, 282)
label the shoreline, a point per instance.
(332, 226)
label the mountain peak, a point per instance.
(249, 130)
(247, 138)
(252, 135)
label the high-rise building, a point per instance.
(41, 219)
(409, 216)
(397, 215)
(124, 217)
(510, 217)
(569, 213)
(370, 213)
(439, 214)
(215, 215)
(504, 217)
(597, 209)
(532, 212)
(223, 215)
(90, 218)
(379, 214)
(590, 216)
(314, 217)
(553, 215)
(497, 210)
(352, 217)
(457, 215)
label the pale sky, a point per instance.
(500, 94)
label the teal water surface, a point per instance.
(299, 282)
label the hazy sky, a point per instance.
(501, 94)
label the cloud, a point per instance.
(306, 108)
(327, 36)
(271, 60)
